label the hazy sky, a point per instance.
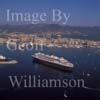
(83, 12)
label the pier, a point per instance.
(9, 62)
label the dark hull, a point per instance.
(53, 65)
(1, 60)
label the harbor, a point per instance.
(85, 60)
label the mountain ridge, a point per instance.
(85, 32)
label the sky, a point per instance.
(83, 12)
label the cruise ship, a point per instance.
(53, 61)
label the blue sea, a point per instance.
(86, 66)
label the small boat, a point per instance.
(4, 60)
